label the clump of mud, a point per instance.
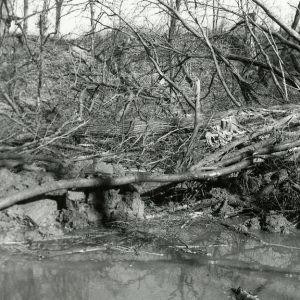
(52, 215)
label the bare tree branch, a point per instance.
(208, 43)
(293, 33)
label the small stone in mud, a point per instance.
(93, 216)
(83, 216)
(74, 198)
(242, 294)
(82, 210)
(78, 168)
(253, 224)
(102, 167)
(31, 221)
(42, 212)
(223, 209)
(136, 205)
(118, 206)
(73, 219)
(276, 223)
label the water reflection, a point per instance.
(135, 280)
(110, 275)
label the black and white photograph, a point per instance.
(149, 149)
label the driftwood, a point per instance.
(103, 128)
(223, 162)
(137, 127)
(229, 155)
(245, 160)
(109, 182)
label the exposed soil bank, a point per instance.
(59, 212)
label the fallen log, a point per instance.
(238, 163)
(214, 166)
(216, 156)
(280, 149)
(160, 126)
(110, 182)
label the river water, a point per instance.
(101, 266)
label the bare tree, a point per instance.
(171, 36)
(289, 30)
(58, 9)
(5, 16)
(297, 17)
(25, 23)
(215, 15)
(93, 26)
(43, 24)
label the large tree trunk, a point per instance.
(43, 25)
(58, 9)
(297, 17)
(44, 19)
(25, 24)
(93, 26)
(172, 32)
(171, 36)
(5, 11)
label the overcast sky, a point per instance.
(77, 22)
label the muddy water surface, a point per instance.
(105, 266)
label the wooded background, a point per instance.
(147, 83)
